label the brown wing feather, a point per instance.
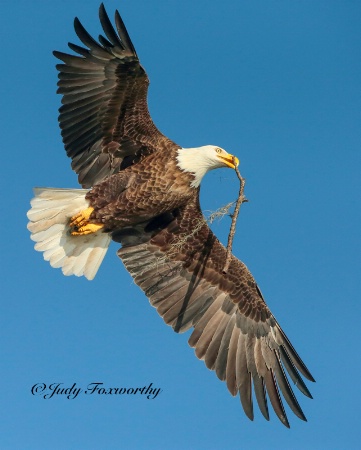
(178, 263)
(104, 119)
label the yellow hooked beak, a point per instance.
(230, 160)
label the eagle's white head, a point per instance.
(200, 160)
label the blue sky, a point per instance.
(276, 83)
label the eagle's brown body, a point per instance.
(140, 192)
(144, 194)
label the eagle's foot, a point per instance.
(86, 229)
(80, 225)
(81, 218)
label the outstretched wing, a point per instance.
(104, 119)
(178, 262)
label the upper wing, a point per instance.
(104, 119)
(178, 263)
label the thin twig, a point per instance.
(241, 199)
(177, 245)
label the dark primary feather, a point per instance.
(104, 119)
(178, 263)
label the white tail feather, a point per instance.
(49, 216)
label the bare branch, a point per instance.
(176, 246)
(241, 199)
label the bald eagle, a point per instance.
(142, 190)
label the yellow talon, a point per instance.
(87, 229)
(80, 225)
(81, 218)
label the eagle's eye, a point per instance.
(218, 150)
